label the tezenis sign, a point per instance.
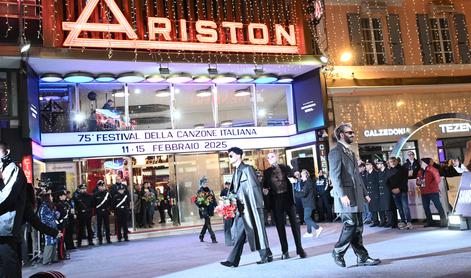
(205, 39)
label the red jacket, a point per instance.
(432, 179)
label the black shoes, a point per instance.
(265, 260)
(302, 254)
(368, 261)
(214, 240)
(228, 264)
(374, 224)
(338, 259)
(201, 238)
(285, 256)
(90, 243)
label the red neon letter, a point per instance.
(281, 33)
(206, 31)
(165, 31)
(232, 29)
(252, 38)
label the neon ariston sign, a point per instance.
(207, 37)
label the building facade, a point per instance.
(157, 91)
(394, 64)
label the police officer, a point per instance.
(102, 203)
(372, 187)
(63, 211)
(121, 207)
(83, 207)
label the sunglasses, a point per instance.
(350, 132)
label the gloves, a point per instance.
(240, 207)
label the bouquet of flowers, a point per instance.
(227, 206)
(149, 197)
(202, 199)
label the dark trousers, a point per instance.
(300, 210)
(280, 209)
(435, 198)
(234, 256)
(352, 234)
(69, 236)
(103, 218)
(145, 216)
(10, 259)
(375, 216)
(207, 226)
(122, 223)
(386, 217)
(227, 232)
(325, 209)
(84, 222)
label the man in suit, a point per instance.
(280, 190)
(349, 198)
(249, 221)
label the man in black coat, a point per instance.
(280, 190)
(102, 204)
(385, 198)
(397, 183)
(372, 189)
(121, 207)
(349, 198)
(83, 206)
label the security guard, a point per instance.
(63, 210)
(102, 203)
(121, 207)
(83, 207)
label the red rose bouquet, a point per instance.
(227, 206)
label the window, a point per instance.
(373, 45)
(441, 41)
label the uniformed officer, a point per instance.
(102, 203)
(372, 187)
(63, 210)
(83, 207)
(121, 207)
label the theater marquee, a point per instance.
(209, 35)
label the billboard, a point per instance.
(309, 101)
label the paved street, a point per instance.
(422, 252)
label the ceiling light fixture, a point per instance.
(118, 93)
(285, 79)
(265, 78)
(246, 78)
(79, 77)
(130, 77)
(155, 78)
(242, 92)
(226, 123)
(178, 78)
(198, 126)
(203, 93)
(51, 77)
(324, 59)
(105, 77)
(224, 78)
(203, 78)
(163, 93)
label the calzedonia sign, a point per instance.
(206, 38)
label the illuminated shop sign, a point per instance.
(385, 132)
(208, 35)
(99, 144)
(455, 128)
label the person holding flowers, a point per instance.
(206, 202)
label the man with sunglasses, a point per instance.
(249, 221)
(349, 198)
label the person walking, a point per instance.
(307, 193)
(277, 185)
(428, 180)
(349, 198)
(206, 202)
(248, 222)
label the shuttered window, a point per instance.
(373, 43)
(441, 41)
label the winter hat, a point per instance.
(203, 181)
(426, 160)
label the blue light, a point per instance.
(264, 79)
(105, 78)
(78, 77)
(245, 79)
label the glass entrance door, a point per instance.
(189, 169)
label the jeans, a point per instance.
(435, 198)
(366, 214)
(310, 223)
(402, 203)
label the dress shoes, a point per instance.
(285, 256)
(265, 260)
(374, 224)
(302, 254)
(368, 261)
(228, 264)
(338, 259)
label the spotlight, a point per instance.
(79, 117)
(25, 47)
(346, 56)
